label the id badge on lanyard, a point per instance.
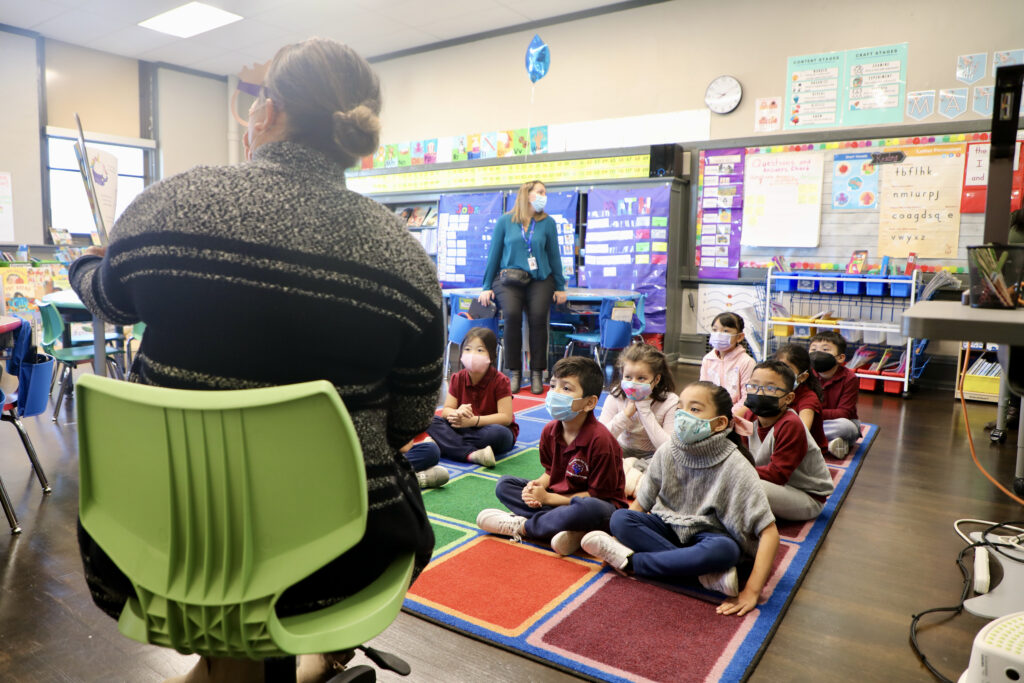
(531, 260)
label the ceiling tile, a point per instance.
(241, 34)
(130, 41)
(182, 52)
(474, 22)
(77, 27)
(131, 13)
(28, 15)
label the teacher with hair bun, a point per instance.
(524, 272)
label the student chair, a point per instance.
(70, 358)
(205, 500)
(458, 326)
(138, 329)
(612, 334)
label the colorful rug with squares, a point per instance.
(577, 615)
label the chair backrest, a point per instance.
(53, 325)
(618, 334)
(34, 377)
(459, 325)
(214, 502)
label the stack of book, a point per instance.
(984, 368)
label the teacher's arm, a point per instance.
(493, 260)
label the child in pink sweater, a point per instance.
(728, 364)
(640, 409)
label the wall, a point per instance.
(660, 58)
(193, 127)
(19, 134)
(103, 89)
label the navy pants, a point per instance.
(583, 514)
(657, 553)
(423, 455)
(456, 444)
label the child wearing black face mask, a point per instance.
(840, 390)
(789, 462)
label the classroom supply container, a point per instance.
(802, 327)
(780, 329)
(901, 288)
(783, 284)
(829, 286)
(996, 272)
(980, 384)
(851, 284)
(874, 337)
(876, 288)
(850, 334)
(895, 339)
(867, 383)
(807, 284)
(893, 385)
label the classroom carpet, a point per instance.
(577, 615)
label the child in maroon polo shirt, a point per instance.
(840, 390)
(583, 478)
(477, 419)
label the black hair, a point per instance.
(798, 356)
(639, 352)
(486, 336)
(832, 337)
(722, 402)
(780, 369)
(586, 371)
(729, 319)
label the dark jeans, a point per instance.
(657, 553)
(456, 444)
(583, 514)
(423, 455)
(536, 299)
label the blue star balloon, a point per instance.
(538, 59)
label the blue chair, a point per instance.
(612, 334)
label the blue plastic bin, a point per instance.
(828, 285)
(902, 288)
(851, 284)
(783, 285)
(875, 288)
(807, 285)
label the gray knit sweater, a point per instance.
(706, 486)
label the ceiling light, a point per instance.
(190, 20)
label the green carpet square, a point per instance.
(446, 535)
(462, 498)
(525, 464)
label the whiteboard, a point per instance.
(782, 199)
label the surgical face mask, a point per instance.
(822, 361)
(475, 362)
(539, 202)
(763, 405)
(720, 341)
(690, 428)
(636, 391)
(560, 406)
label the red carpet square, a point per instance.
(477, 583)
(653, 652)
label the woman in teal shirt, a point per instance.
(524, 271)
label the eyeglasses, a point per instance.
(766, 389)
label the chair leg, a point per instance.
(65, 388)
(13, 418)
(5, 501)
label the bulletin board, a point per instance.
(929, 199)
(464, 228)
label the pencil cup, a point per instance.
(996, 272)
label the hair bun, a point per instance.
(357, 131)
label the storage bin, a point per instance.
(829, 286)
(851, 334)
(980, 384)
(807, 284)
(851, 284)
(783, 284)
(779, 329)
(802, 327)
(901, 288)
(876, 288)
(895, 339)
(874, 337)
(867, 383)
(894, 385)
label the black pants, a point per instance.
(536, 299)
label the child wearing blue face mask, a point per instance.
(582, 481)
(699, 510)
(728, 364)
(640, 408)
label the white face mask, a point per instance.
(539, 202)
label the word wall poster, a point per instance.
(464, 228)
(720, 213)
(626, 245)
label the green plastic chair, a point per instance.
(69, 358)
(214, 502)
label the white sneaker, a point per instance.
(495, 521)
(605, 547)
(627, 463)
(567, 542)
(483, 457)
(726, 583)
(633, 479)
(432, 477)
(838, 448)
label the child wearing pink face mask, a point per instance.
(640, 409)
(477, 419)
(728, 364)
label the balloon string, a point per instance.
(529, 120)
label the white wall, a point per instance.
(103, 89)
(19, 134)
(193, 127)
(660, 58)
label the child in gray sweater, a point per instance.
(700, 509)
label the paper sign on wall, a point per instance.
(854, 182)
(767, 114)
(6, 208)
(782, 199)
(919, 204)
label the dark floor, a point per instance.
(889, 554)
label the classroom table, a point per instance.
(68, 300)
(9, 323)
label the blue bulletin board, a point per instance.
(627, 245)
(464, 228)
(562, 207)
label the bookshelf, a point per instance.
(981, 383)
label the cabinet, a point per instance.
(867, 310)
(981, 383)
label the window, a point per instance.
(69, 205)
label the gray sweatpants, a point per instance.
(842, 428)
(791, 503)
